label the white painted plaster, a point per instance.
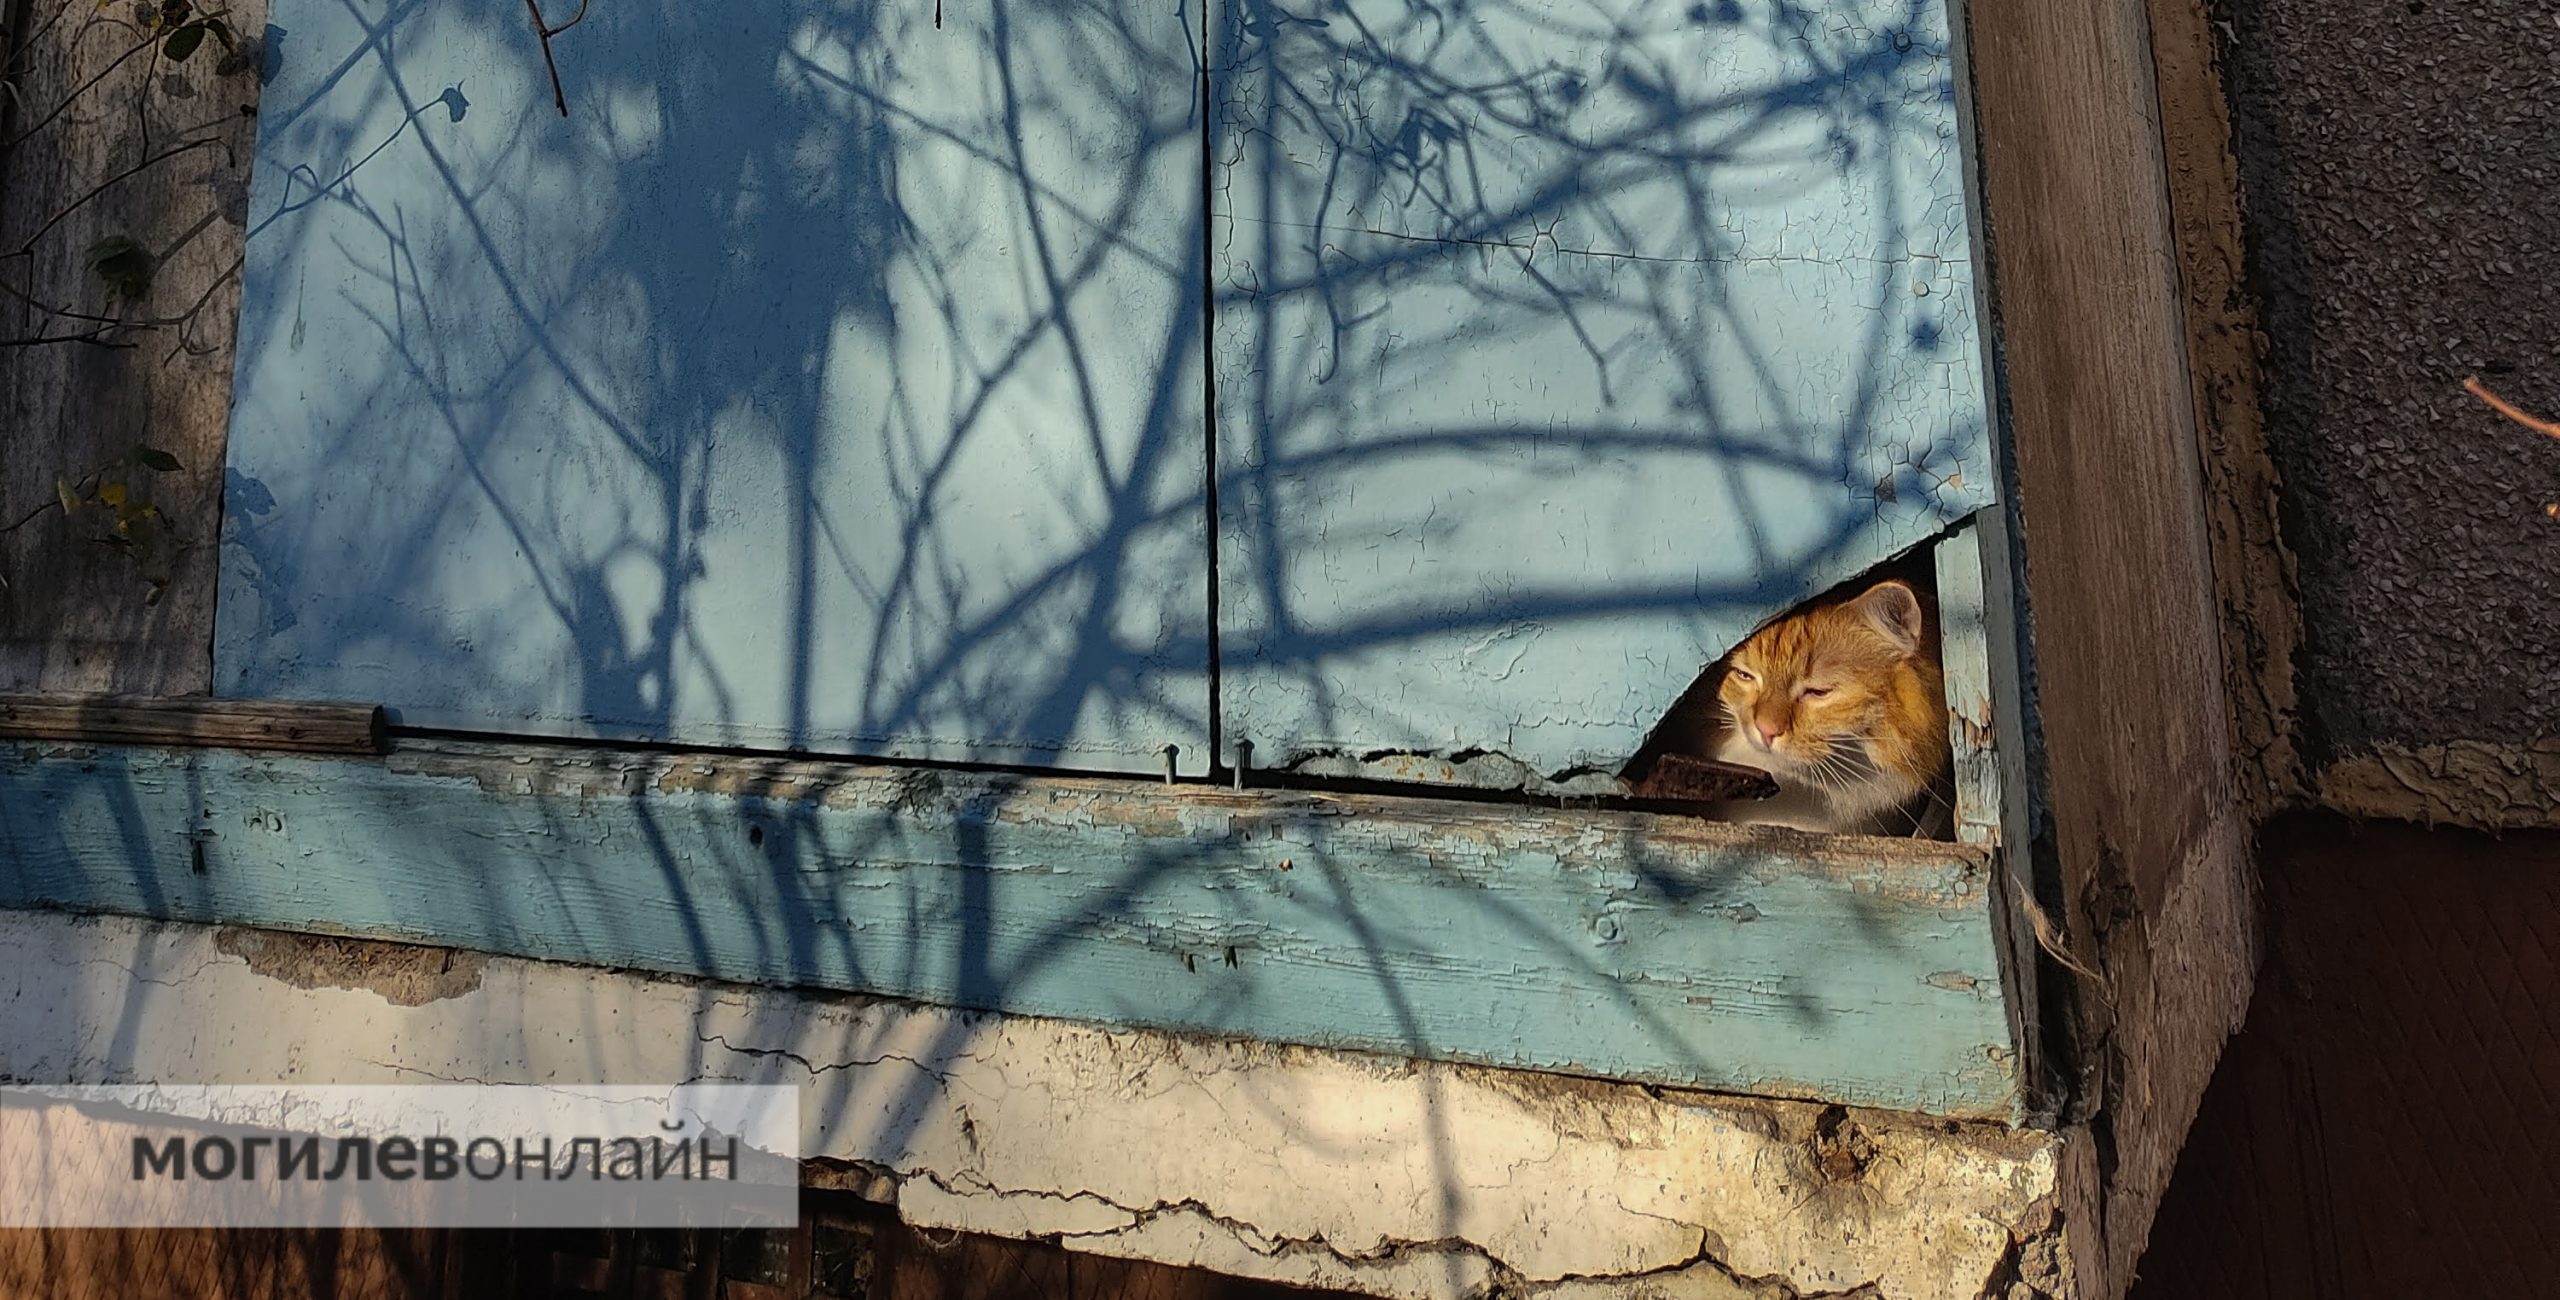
(1320, 1168)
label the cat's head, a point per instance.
(1822, 695)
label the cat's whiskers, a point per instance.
(1832, 771)
(1855, 706)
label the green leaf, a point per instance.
(183, 42)
(154, 458)
(222, 32)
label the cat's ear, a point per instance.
(1891, 608)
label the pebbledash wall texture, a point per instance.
(2398, 162)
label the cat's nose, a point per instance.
(1770, 732)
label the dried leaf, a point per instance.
(111, 493)
(125, 265)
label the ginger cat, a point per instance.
(1844, 706)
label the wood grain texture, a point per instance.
(1978, 618)
(844, 1249)
(236, 724)
(73, 616)
(2138, 785)
(1972, 686)
(2383, 1127)
(1619, 945)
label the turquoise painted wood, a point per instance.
(1611, 944)
(828, 378)
(1557, 346)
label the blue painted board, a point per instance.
(1611, 944)
(1557, 346)
(828, 378)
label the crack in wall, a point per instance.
(816, 1069)
(1664, 1194)
(1499, 1278)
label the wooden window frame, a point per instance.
(2127, 914)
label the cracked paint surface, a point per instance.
(822, 380)
(1622, 945)
(1393, 1178)
(1556, 349)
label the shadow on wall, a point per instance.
(839, 377)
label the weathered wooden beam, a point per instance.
(2142, 813)
(1614, 944)
(193, 720)
(76, 615)
(1986, 726)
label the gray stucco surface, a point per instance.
(2402, 167)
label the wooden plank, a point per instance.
(1964, 632)
(74, 615)
(2147, 844)
(817, 383)
(1614, 944)
(850, 1249)
(1978, 617)
(236, 724)
(2389, 1105)
(1551, 361)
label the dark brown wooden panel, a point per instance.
(844, 1249)
(74, 615)
(2385, 1126)
(188, 721)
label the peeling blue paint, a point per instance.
(827, 379)
(1618, 945)
(1558, 347)
(838, 379)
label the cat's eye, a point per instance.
(1745, 676)
(1813, 692)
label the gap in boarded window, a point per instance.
(1848, 728)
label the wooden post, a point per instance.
(2147, 833)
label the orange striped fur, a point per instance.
(1843, 704)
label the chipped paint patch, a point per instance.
(400, 975)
